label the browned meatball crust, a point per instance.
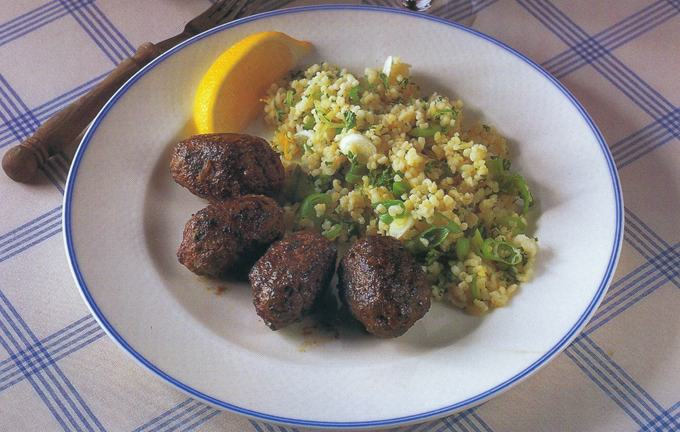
(383, 286)
(226, 238)
(220, 166)
(292, 278)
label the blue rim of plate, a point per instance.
(449, 409)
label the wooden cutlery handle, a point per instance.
(23, 161)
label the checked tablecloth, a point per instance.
(59, 371)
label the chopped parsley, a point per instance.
(350, 120)
(385, 177)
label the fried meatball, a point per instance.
(221, 166)
(226, 238)
(383, 286)
(292, 278)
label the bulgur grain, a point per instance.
(454, 183)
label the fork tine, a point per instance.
(228, 12)
(207, 20)
(254, 7)
(218, 6)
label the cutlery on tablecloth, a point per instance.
(22, 162)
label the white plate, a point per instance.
(124, 218)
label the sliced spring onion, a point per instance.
(451, 225)
(324, 180)
(453, 112)
(495, 167)
(429, 132)
(299, 185)
(511, 184)
(502, 252)
(356, 145)
(523, 190)
(305, 187)
(476, 242)
(386, 217)
(496, 250)
(329, 123)
(515, 224)
(307, 208)
(473, 288)
(332, 234)
(309, 123)
(353, 178)
(433, 237)
(400, 226)
(289, 98)
(462, 248)
(399, 188)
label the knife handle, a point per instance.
(22, 162)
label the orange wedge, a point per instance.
(228, 97)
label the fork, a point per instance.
(22, 162)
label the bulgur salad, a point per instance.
(371, 155)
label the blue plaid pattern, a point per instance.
(34, 360)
